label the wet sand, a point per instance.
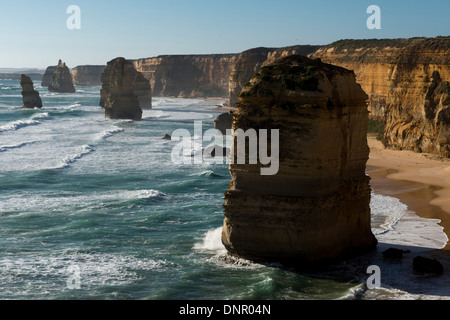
(421, 181)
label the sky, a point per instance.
(34, 33)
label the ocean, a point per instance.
(93, 208)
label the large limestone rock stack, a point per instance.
(316, 208)
(31, 98)
(117, 95)
(61, 80)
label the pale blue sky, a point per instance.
(34, 33)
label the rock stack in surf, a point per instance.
(121, 95)
(316, 208)
(61, 79)
(31, 98)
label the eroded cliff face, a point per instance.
(316, 208)
(406, 81)
(250, 62)
(188, 76)
(417, 115)
(88, 75)
(372, 61)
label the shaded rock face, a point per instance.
(61, 80)
(188, 76)
(87, 75)
(316, 208)
(31, 98)
(47, 77)
(117, 94)
(224, 122)
(250, 62)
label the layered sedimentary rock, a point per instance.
(61, 80)
(140, 85)
(188, 76)
(117, 94)
(89, 75)
(31, 98)
(417, 114)
(47, 77)
(249, 62)
(372, 61)
(316, 208)
(406, 80)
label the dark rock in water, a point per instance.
(167, 137)
(427, 265)
(61, 80)
(47, 77)
(393, 253)
(117, 93)
(31, 98)
(223, 122)
(216, 151)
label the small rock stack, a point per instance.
(31, 98)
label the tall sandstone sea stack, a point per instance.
(121, 84)
(61, 80)
(31, 98)
(316, 208)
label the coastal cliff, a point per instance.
(316, 208)
(417, 115)
(406, 81)
(89, 75)
(188, 76)
(250, 61)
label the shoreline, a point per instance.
(420, 181)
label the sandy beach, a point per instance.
(421, 181)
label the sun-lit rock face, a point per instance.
(316, 207)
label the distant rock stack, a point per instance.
(316, 208)
(61, 80)
(31, 98)
(47, 77)
(117, 95)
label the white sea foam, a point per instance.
(66, 162)
(16, 146)
(109, 133)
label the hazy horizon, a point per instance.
(37, 35)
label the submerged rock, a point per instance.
(118, 96)
(61, 80)
(167, 137)
(31, 98)
(427, 265)
(317, 207)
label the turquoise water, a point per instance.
(92, 208)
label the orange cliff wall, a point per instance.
(407, 84)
